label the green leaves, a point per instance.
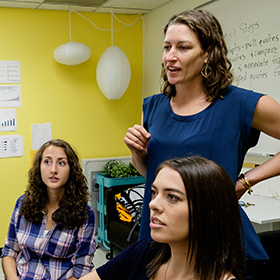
(118, 169)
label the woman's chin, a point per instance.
(157, 237)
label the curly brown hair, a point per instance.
(72, 209)
(209, 32)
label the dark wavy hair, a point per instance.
(215, 233)
(210, 35)
(72, 209)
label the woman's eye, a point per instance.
(62, 163)
(166, 48)
(153, 193)
(183, 48)
(172, 197)
(46, 161)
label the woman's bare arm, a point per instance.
(9, 268)
(267, 120)
(137, 139)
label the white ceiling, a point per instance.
(99, 6)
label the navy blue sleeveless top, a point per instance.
(222, 132)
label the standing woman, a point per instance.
(51, 233)
(195, 226)
(199, 112)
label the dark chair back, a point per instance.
(119, 233)
(270, 270)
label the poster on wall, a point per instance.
(9, 71)
(8, 120)
(41, 133)
(11, 146)
(10, 96)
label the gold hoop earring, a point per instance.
(206, 71)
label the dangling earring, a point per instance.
(206, 71)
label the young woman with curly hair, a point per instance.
(51, 233)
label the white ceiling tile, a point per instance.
(54, 7)
(121, 11)
(138, 4)
(118, 6)
(65, 8)
(82, 8)
(28, 1)
(12, 4)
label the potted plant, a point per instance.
(118, 169)
(116, 173)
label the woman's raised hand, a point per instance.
(137, 138)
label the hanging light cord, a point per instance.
(70, 34)
(112, 29)
(102, 29)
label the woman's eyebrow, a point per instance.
(49, 157)
(169, 189)
(174, 190)
(153, 186)
(180, 42)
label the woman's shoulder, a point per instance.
(141, 249)
(90, 215)
(155, 101)
(141, 245)
(19, 201)
(159, 97)
(234, 91)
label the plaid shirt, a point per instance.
(57, 254)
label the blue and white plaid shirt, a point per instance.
(57, 254)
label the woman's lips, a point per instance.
(173, 69)
(53, 179)
(156, 223)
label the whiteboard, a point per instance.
(252, 33)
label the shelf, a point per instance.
(105, 182)
(111, 182)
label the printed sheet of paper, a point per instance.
(11, 146)
(8, 120)
(41, 133)
(10, 96)
(9, 71)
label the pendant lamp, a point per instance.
(71, 53)
(113, 71)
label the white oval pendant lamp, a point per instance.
(113, 73)
(72, 53)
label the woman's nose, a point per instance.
(53, 168)
(155, 204)
(171, 55)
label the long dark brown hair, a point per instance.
(72, 207)
(210, 35)
(215, 241)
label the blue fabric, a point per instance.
(222, 132)
(131, 263)
(58, 254)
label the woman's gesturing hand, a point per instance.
(137, 138)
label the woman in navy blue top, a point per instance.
(199, 112)
(195, 226)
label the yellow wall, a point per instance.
(66, 96)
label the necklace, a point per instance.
(165, 275)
